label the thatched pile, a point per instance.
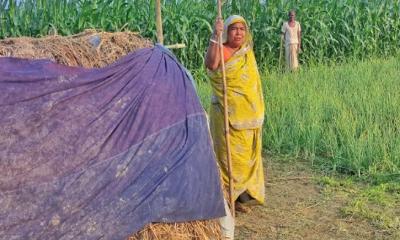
(199, 230)
(97, 49)
(87, 49)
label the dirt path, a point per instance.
(299, 207)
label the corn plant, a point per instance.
(332, 30)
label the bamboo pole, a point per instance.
(159, 27)
(160, 37)
(226, 120)
(176, 45)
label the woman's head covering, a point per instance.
(232, 20)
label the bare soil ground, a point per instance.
(298, 206)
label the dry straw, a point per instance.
(199, 230)
(97, 49)
(87, 49)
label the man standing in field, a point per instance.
(291, 35)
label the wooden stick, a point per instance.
(159, 27)
(226, 120)
(176, 45)
(160, 37)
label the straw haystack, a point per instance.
(199, 230)
(87, 49)
(97, 49)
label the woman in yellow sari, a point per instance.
(245, 108)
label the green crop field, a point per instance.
(332, 30)
(341, 111)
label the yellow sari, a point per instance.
(246, 116)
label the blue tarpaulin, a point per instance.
(100, 153)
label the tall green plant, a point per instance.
(332, 30)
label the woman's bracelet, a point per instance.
(213, 41)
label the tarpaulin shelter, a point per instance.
(99, 153)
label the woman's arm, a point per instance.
(213, 57)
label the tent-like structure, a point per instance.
(100, 153)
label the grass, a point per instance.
(376, 203)
(344, 118)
